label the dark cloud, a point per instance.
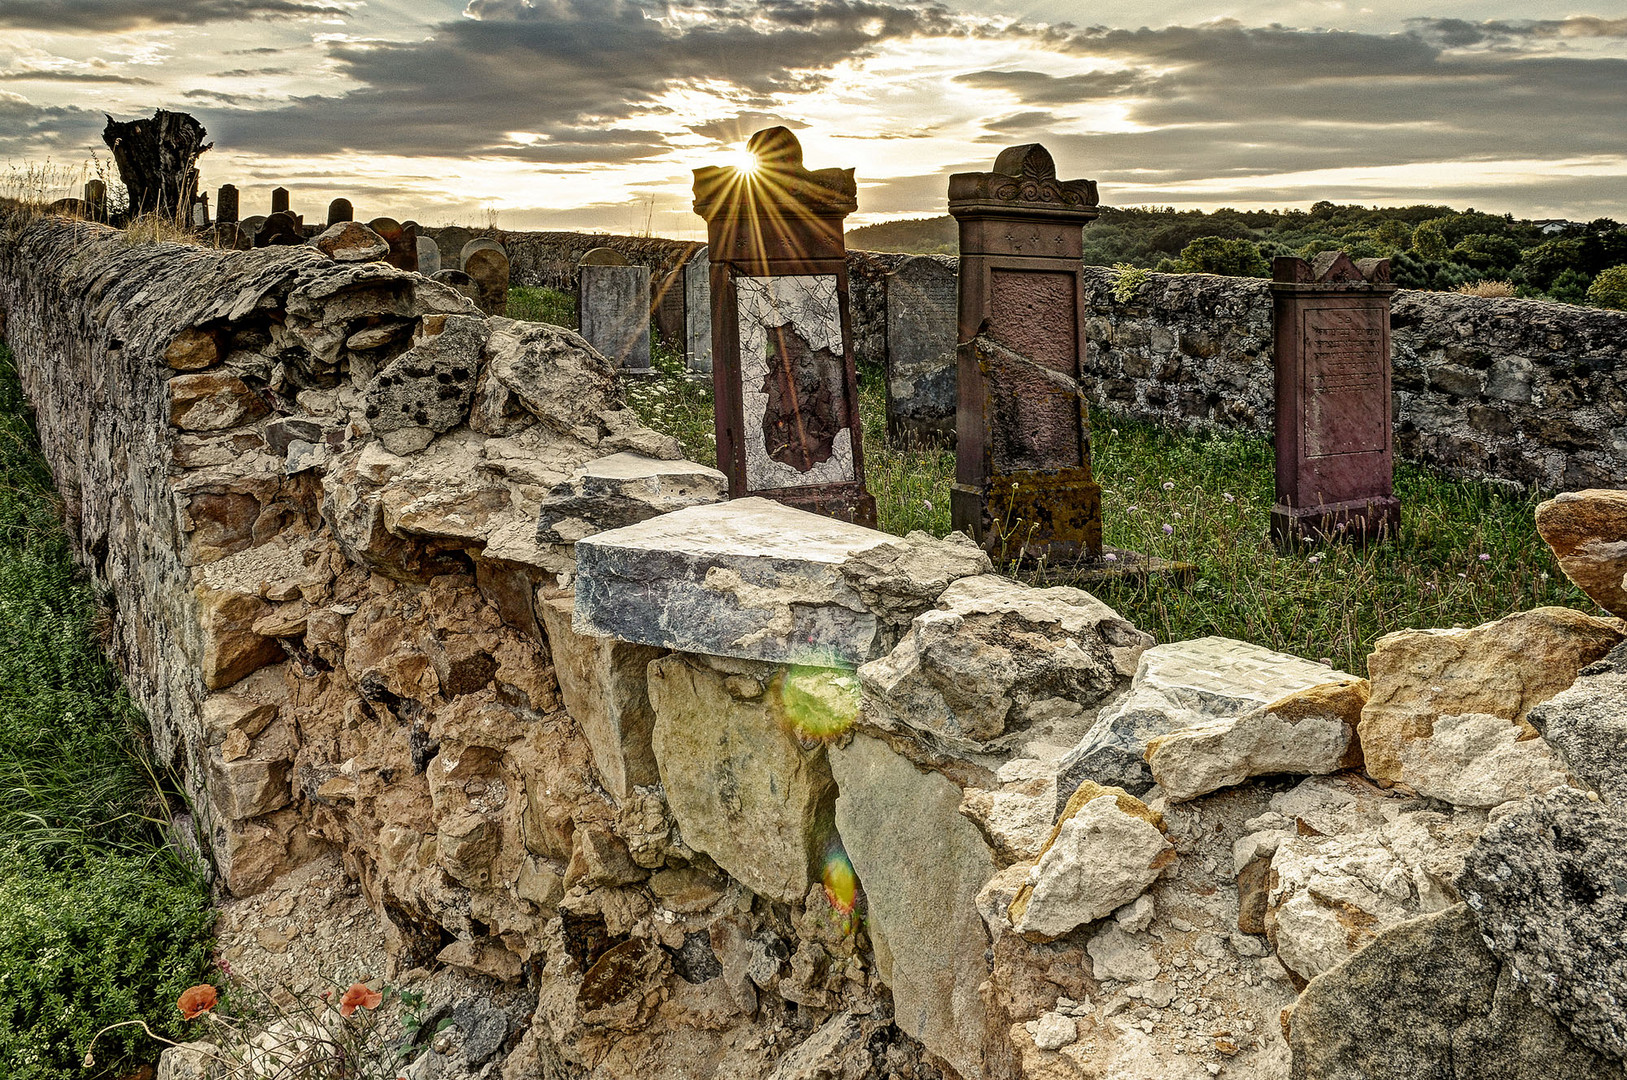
(738, 128)
(71, 76)
(106, 16)
(29, 131)
(1462, 34)
(1037, 88)
(245, 73)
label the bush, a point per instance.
(1609, 289)
(1218, 255)
(88, 943)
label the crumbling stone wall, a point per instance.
(1519, 390)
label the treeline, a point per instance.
(1429, 247)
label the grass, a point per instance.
(1468, 551)
(99, 920)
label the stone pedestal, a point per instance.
(613, 308)
(782, 343)
(1335, 463)
(698, 313)
(1023, 484)
(922, 295)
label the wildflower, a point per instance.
(1313, 560)
(1228, 496)
(359, 995)
(1112, 431)
(1176, 515)
(927, 503)
(1169, 530)
(1463, 575)
(1169, 485)
(1133, 508)
(197, 1000)
(1485, 557)
(1110, 557)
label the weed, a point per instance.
(1128, 278)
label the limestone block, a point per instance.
(1426, 1000)
(210, 401)
(741, 787)
(624, 489)
(992, 653)
(430, 386)
(187, 1061)
(1548, 888)
(1476, 760)
(231, 648)
(549, 372)
(1015, 819)
(1115, 954)
(921, 865)
(749, 578)
(1500, 669)
(1100, 859)
(603, 682)
(350, 241)
(254, 852)
(193, 349)
(1307, 733)
(247, 787)
(1587, 726)
(1588, 533)
(904, 578)
(1184, 684)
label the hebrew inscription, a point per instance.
(1344, 383)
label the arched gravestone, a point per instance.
(251, 227)
(698, 312)
(403, 252)
(787, 393)
(226, 204)
(1022, 455)
(921, 300)
(488, 267)
(429, 257)
(279, 200)
(279, 229)
(460, 281)
(478, 243)
(613, 308)
(340, 210)
(451, 240)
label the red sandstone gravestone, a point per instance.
(1022, 462)
(782, 344)
(1335, 462)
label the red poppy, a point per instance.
(359, 994)
(197, 1000)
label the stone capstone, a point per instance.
(624, 489)
(1426, 1000)
(1181, 685)
(741, 786)
(904, 578)
(1588, 533)
(1587, 726)
(350, 241)
(992, 655)
(1548, 888)
(749, 578)
(1490, 674)
(921, 865)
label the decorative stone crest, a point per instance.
(1023, 181)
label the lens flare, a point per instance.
(818, 702)
(744, 160)
(841, 883)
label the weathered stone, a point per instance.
(550, 373)
(1115, 954)
(1099, 859)
(193, 349)
(929, 938)
(1016, 819)
(349, 241)
(1427, 1001)
(230, 647)
(1586, 725)
(483, 957)
(187, 1061)
(489, 270)
(837, 1050)
(211, 401)
(1588, 533)
(430, 387)
(624, 489)
(748, 578)
(599, 860)
(1054, 1030)
(619, 990)
(247, 787)
(1476, 760)
(603, 682)
(613, 308)
(921, 338)
(1184, 684)
(1501, 669)
(993, 655)
(698, 312)
(686, 891)
(1309, 732)
(1330, 895)
(904, 578)
(1548, 888)
(741, 787)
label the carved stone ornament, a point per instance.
(1023, 182)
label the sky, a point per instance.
(590, 114)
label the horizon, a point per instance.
(590, 114)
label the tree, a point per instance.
(1569, 287)
(1540, 265)
(1609, 289)
(1220, 255)
(1429, 240)
(158, 160)
(1484, 252)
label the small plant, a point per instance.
(159, 228)
(1128, 278)
(1487, 289)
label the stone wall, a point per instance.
(1518, 390)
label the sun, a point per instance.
(743, 159)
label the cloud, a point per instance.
(54, 75)
(1461, 33)
(28, 130)
(109, 16)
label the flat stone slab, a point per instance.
(750, 578)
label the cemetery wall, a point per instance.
(1520, 390)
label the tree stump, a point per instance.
(157, 160)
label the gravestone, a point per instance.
(669, 309)
(921, 340)
(787, 414)
(340, 210)
(451, 240)
(1335, 460)
(1022, 463)
(279, 200)
(96, 200)
(251, 227)
(613, 308)
(488, 269)
(478, 243)
(279, 229)
(429, 257)
(200, 210)
(226, 204)
(698, 313)
(460, 281)
(403, 247)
